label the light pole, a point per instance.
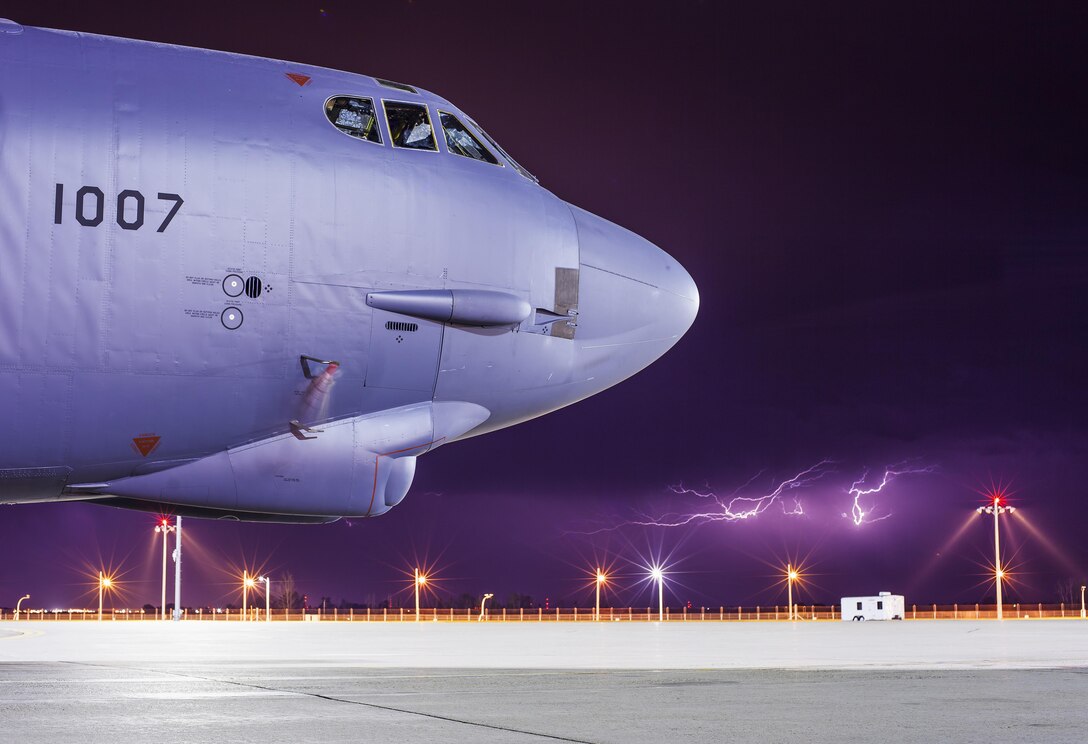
(483, 604)
(659, 576)
(601, 579)
(247, 584)
(177, 571)
(27, 596)
(999, 573)
(421, 579)
(104, 582)
(1082, 613)
(165, 528)
(791, 576)
(267, 597)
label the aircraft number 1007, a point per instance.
(91, 207)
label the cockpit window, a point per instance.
(460, 141)
(354, 117)
(409, 125)
(503, 152)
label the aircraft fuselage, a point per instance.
(188, 240)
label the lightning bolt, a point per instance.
(740, 505)
(733, 507)
(862, 515)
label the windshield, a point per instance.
(409, 125)
(502, 152)
(460, 141)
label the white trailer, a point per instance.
(884, 606)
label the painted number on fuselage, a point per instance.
(91, 207)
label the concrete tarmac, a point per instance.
(239, 683)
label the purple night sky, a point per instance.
(885, 208)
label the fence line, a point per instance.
(721, 614)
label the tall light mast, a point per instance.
(177, 571)
(165, 528)
(999, 573)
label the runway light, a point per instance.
(793, 576)
(249, 581)
(601, 579)
(421, 579)
(657, 573)
(105, 582)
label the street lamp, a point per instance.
(659, 576)
(247, 584)
(791, 576)
(177, 571)
(104, 582)
(421, 579)
(1082, 614)
(267, 597)
(999, 573)
(601, 579)
(165, 528)
(483, 604)
(27, 596)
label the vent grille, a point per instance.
(394, 325)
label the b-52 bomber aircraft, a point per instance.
(234, 287)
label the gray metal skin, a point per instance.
(133, 377)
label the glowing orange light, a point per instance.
(421, 579)
(601, 578)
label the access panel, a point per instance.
(404, 352)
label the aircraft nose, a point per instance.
(607, 246)
(635, 300)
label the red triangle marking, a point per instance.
(298, 78)
(145, 444)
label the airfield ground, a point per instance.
(759, 682)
